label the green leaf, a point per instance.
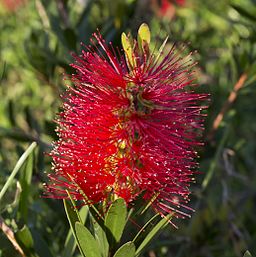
(115, 221)
(247, 254)
(87, 242)
(126, 250)
(25, 181)
(143, 36)
(24, 236)
(71, 214)
(25, 240)
(74, 207)
(160, 225)
(127, 46)
(100, 236)
(18, 165)
(72, 218)
(145, 228)
(70, 242)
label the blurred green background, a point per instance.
(36, 39)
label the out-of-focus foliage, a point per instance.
(36, 38)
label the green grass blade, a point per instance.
(18, 165)
(25, 181)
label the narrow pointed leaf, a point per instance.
(18, 165)
(74, 206)
(160, 225)
(72, 219)
(145, 228)
(126, 250)
(25, 181)
(87, 242)
(115, 221)
(70, 243)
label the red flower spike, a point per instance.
(128, 128)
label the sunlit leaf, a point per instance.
(87, 242)
(100, 236)
(126, 250)
(144, 37)
(115, 221)
(128, 50)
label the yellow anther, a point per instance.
(122, 145)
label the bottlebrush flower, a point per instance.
(129, 126)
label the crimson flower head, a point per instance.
(129, 126)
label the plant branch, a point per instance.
(10, 235)
(232, 97)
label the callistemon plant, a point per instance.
(128, 130)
